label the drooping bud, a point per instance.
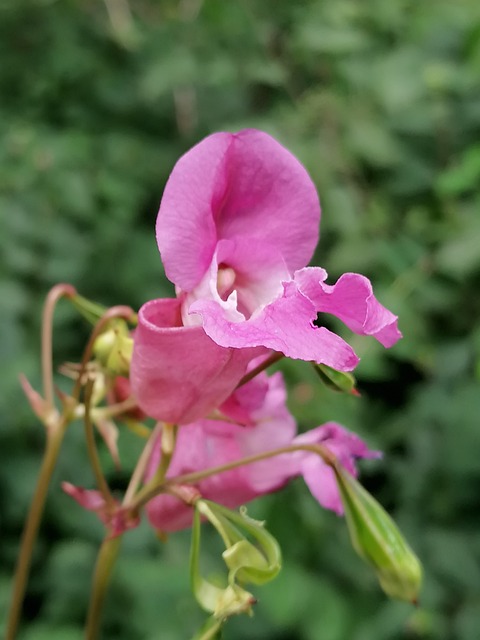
(377, 540)
(336, 380)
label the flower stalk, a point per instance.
(91, 446)
(148, 492)
(55, 437)
(103, 572)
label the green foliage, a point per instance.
(380, 100)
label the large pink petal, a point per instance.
(270, 197)
(230, 186)
(285, 325)
(178, 373)
(351, 299)
(185, 228)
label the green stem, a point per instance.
(103, 571)
(92, 448)
(167, 444)
(54, 440)
(141, 465)
(275, 357)
(54, 295)
(150, 491)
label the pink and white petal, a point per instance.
(207, 289)
(178, 373)
(270, 196)
(231, 185)
(351, 299)
(259, 270)
(185, 228)
(285, 325)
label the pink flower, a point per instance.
(179, 374)
(237, 224)
(208, 443)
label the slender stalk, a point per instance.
(54, 440)
(103, 571)
(275, 357)
(54, 295)
(139, 470)
(148, 492)
(114, 410)
(92, 448)
(167, 444)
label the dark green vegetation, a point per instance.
(381, 101)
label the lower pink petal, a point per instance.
(351, 299)
(285, 325)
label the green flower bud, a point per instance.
(377, 539)
(114, 347)
(336, 380)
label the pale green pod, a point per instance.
(377, 539)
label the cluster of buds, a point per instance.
(237, 226)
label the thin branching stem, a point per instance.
(54, 440)
(92, 447)
(54, 295)
(272, 359)
(106, 558)
(150, 491)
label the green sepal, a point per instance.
(91, 311)
(251, 564)
(254, 561)
(336, 380)
(377, 539)
(206, 593)
(221, 602)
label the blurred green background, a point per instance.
(380, 99)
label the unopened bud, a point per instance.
(377, 539)
(114, 347)
(336, 380)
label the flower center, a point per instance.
(225, 281)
